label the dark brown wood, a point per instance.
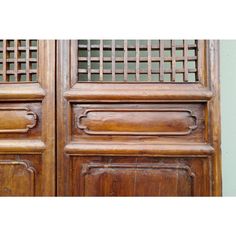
(27, 118)
(140, 176)
(122, 137)
(138, 122)
(214, 114)
(133, 118)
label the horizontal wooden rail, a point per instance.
(132, 47)
(23, 91)
(21, 146)
(116, 93)
(133, 59)
(137, 149)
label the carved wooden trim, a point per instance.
(25, 163)
(86, 168)
(26, 113)
(150, 133)
(27, 166)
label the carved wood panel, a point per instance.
(154, 122)
(126, 176)
(17, 119)
(17, 178)
(20, 175)
(20, 120)
(158, 122)
(130, 180)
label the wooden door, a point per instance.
(134, 118)
(27, 118)
(138, 118)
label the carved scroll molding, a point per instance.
(137, 122)
(86, 168)
(17, 178)
(17, 119)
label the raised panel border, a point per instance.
(86, 168)
(28, 113)
(26, 165)
(177, 133)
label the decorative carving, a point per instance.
(87, 167)
(137, 122)
(17, 178)
(152, 171)
(16, 119)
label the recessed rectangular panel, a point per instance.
(20, 120)
(128, 122)
(16, 119)
(136, 180)
(17, 179)
(20, 175)
(151, 121)
(140, 176)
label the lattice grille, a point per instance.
(138, 61)
(18, 60)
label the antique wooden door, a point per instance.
(138, 118)
(27, 118)
(109, 118)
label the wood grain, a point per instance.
(145, 134)
(127, 122)
(27, 119)
(139, 122)
(17, 178)
(139, 176)
(17, 119)
(108, 125)
(131, 180)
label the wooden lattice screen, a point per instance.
(139, 61)
(18, 60)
